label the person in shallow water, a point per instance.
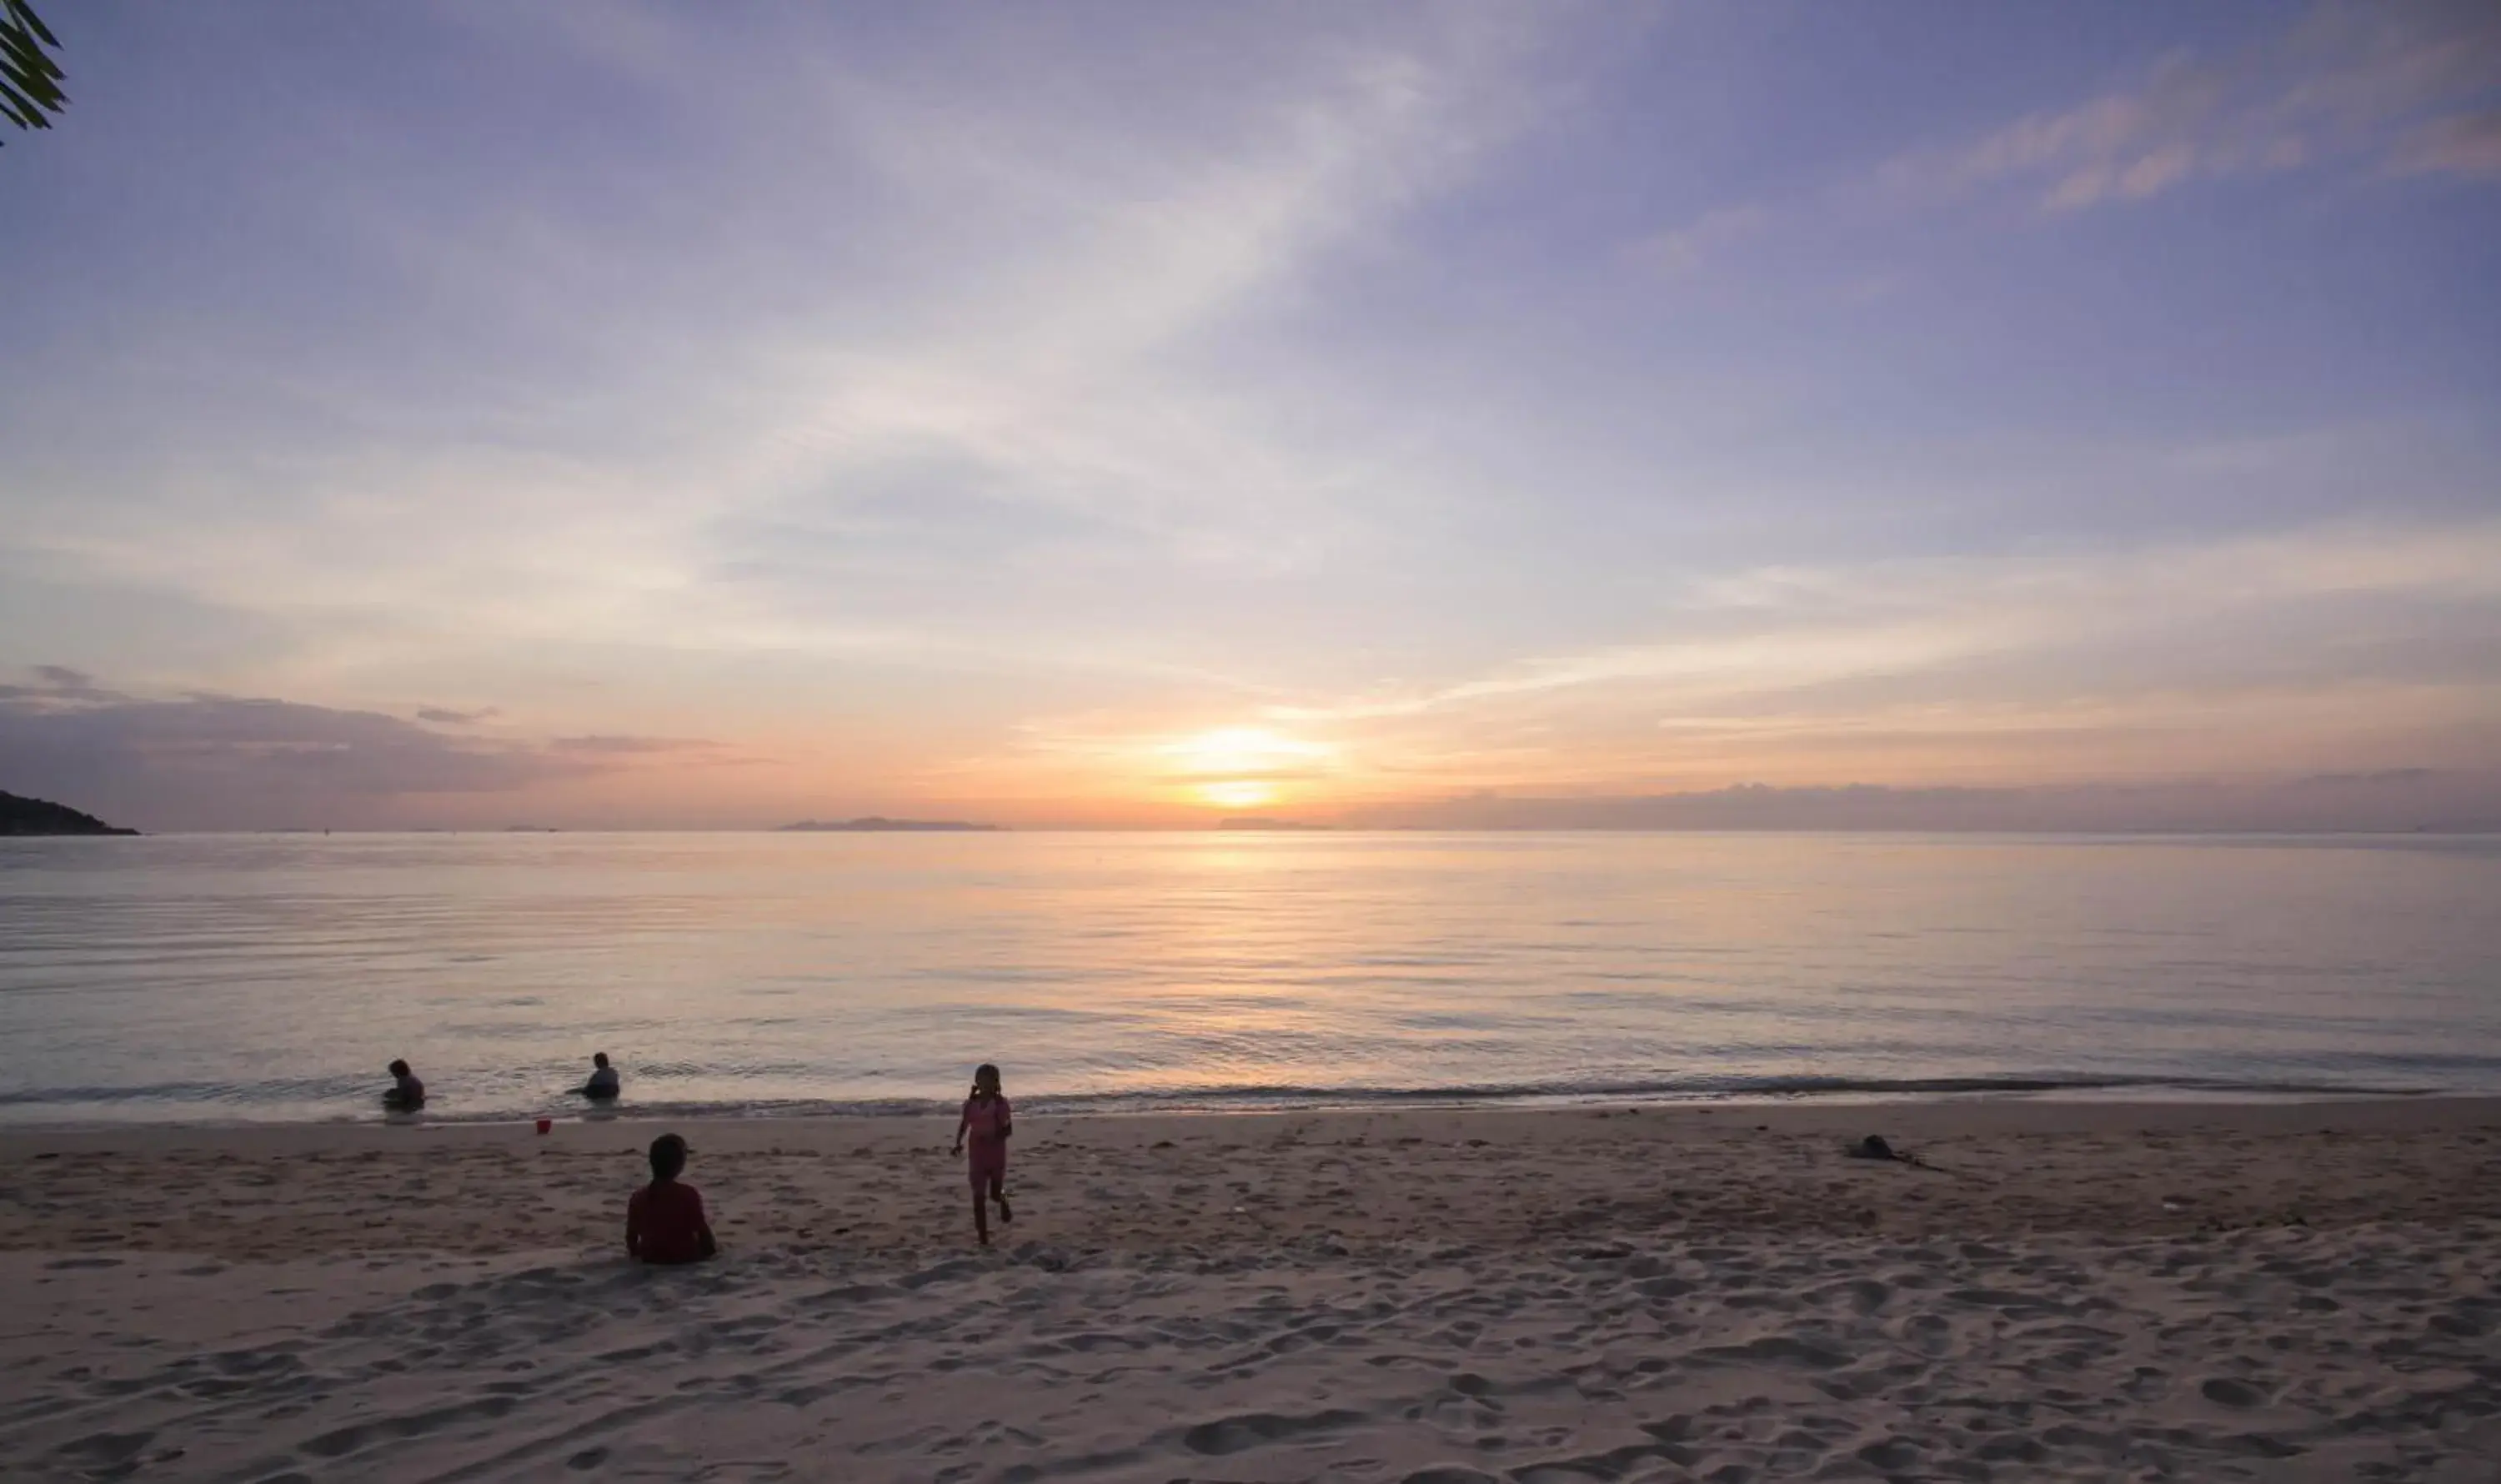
(603, 1086)
(664, 1220)
(407, 1094)
(986, 1120)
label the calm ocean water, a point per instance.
(224, 978)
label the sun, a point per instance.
(1246, 794)
(1241, 749)
(1242, 767)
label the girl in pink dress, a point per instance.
(987, 1122)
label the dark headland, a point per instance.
(42, 817)
(877, 824)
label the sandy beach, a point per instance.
(1428, 1296)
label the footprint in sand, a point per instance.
(1892, 1453)
(108, 1447)
(1233, 1435)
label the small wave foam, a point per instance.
(1313, 1097)
(334, 1099)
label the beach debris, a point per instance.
(1874, 1147)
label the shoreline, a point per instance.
(564, 1108)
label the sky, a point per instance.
(675, 416)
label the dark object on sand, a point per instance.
(1874, 1147)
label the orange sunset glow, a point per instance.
(1358, 437)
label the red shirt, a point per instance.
(664, 1223)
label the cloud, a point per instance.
(2469, 143)
(224, 761)
(2391, 801)
(1004, 264)
(2341, 646)
(1783, 627)
(626, 746)
(2390, 87)
(2349, 646)
(1159, 368)
(1708, 236)
(56, 685)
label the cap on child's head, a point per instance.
(399, 1069)
(668, 1157)
(599, 1059)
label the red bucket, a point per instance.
(546, 1125)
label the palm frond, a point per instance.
(30, 80)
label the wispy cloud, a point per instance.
(629, 746)
(2390, 87)
(2089, 648)
(1708, 236)
(1048, 327)
(2465, 143)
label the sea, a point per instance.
(214, 979)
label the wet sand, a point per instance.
(1432, 1297)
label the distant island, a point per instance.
(879, 823)
(42, 817)
(1254, 822)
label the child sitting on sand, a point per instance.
(986, 1120)
(664, 1222)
